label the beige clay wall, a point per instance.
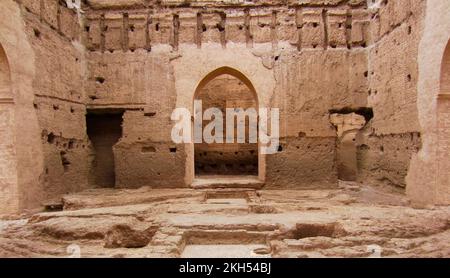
(8, 173)
(308, 60)
(392, 137)
(427, 179)
(302, 60)
(20, 189)
(53, 31)
(41, 42)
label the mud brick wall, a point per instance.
(129, 25)
(310, 48)
(8, 170)
(321, 57)
(444, 143)
(393, 73)
(54, 33)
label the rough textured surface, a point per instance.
(388, 143)
(19, 187)
(88, 166)
(352, 221)
(119, 57)
(347, 126)
(423, 186)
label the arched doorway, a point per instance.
(8, 174)
(443, 117)
(5, 77)
(229, 90)
(445, 72)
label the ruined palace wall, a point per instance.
(427, 181)
(59, 102)
(141, 83)
(311, 84)
(306, 60)
(388, 142)
(8, 173)
(23, 188)
(146, 58)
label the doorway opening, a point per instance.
(104, 129)
(225, 90)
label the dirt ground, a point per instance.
(352, 221)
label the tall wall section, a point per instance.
(53, 30)
(308, 58)
(315, 51)
(21, 152)
(428, 178)
(393, 136)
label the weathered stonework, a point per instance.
(136, 61)
(424, 181)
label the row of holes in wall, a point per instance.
(221, 27)
(55, 107)
(381, 148)
(62, 143)
(151, 149)
(59, 26)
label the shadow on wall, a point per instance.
(445, 72)
(226, 91)
(5, 77)
(104, 129)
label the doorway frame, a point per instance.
(194, 64)
(225, 70)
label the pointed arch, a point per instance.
(5, 77)
(200, 85)
(233, 88)
(229, 71)
(445, 72)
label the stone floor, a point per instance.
(352, 221)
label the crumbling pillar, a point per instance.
(348, 126)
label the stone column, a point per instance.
(347, 125)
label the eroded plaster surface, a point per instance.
(134, 62)
(424, 185)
